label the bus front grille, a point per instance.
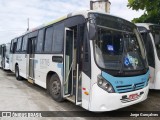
(130, 88)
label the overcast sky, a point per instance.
(14, 13)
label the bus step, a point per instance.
(71, 98)
(31, 81)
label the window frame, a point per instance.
(44, 39)
(42, 49)
(24, 51)
(54, 26)
(20, 50)
(15, 41)
(11, 47)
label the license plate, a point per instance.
(133, 96)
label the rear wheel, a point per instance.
(3, 63)
(18, 77)
(55, 88)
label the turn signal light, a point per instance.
(86, 93)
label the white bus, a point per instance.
(151, 36)
(4, 56)
(93, 59)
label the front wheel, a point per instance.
(55, 88)
(18, 77)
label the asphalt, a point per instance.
(23, 96)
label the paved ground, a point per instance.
(23, 96)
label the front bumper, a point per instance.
(103, 101)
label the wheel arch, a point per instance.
(49, 75)
(16, 64)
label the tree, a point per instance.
(151, 8)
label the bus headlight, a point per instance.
(102, 83)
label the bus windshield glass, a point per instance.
(118, 45)
(155, 30)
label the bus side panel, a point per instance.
(152, 77)
(85, 91)
(87, 81)
(154, 72)
(153, 69)
(27, 66)
(157, 74)
(7, 56)
(20, 61)
(11, 62)
(157, 81)
(23, 65)
(43, 65)
(95, 72)
(14, 62)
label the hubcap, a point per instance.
(55, 87)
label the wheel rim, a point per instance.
(56, 88)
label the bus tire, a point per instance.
(18, 77)
(3, 64)
(55, 88)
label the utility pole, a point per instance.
(100, 5)
(28, 24)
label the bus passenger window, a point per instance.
(48, 39)
(19, 44)
(14, 47)
(57, 45)
(24, 44)
(39, 46)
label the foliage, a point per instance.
(151, 8)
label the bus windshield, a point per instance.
(155, 30)
(117, 45)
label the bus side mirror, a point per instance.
(92, 31)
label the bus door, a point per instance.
(31, 44)
(72, 81)
(68, 62)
